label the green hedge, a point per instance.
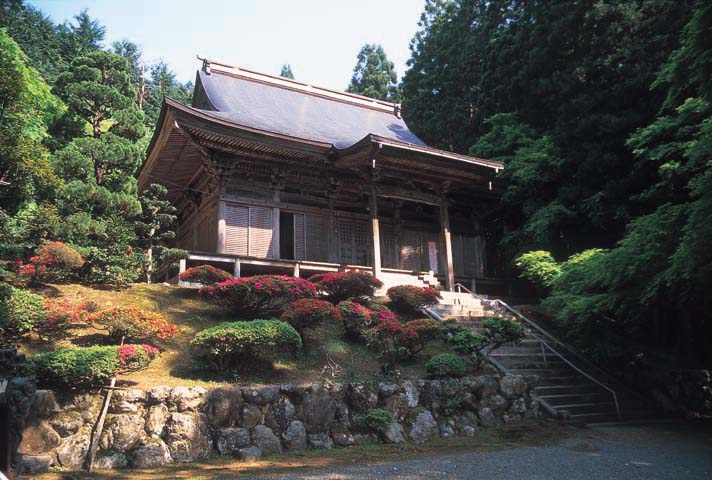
(447, 365)
(230, 345)
(20, 311)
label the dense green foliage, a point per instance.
(476, 347)
(376, 420)
(232, 345)
(20, 311)
(374, 75)
(87, 367)
(446, 365)
(286, 71)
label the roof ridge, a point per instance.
(212, 66)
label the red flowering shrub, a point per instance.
(410, 299)
(357, 318)
(340, 286)
(309, 312)
(259, 296)
(394, 340)
(53, 261)
(426, 328)
(136, 357)
(205, 274)
(134, 324)
(61, 316)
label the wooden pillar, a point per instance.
(220, 248)
(274, 253)
(296, 269)
(397, 234)
(447, 241)
(373, 204)
(236, 268)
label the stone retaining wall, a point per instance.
(146, 429)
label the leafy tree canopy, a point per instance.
(374, 75)
(286, 71)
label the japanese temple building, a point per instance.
(272, 175)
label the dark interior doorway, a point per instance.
(286, 236)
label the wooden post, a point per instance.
(221, 227)
(275, 233)
(181, 268)
(236, 268)
(445, 223)
(296, 269)
(373, 204)
(397, 234)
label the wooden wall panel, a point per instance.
(317, 238)
(260, 233)
(300, 240)
(237, 222)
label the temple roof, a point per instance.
(296, 109)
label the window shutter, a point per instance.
(299, 234)
(236, 229)
(260, 232)
(388, 245)
(317, 234)
(346, 254)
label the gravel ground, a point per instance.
(659, 451)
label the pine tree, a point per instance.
(286, 71)
(374, 75)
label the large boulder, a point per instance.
(127, 401)
(394, 433)
(38, 438)
(44, 404)
(386, 390)
(156, 420)
(319, 409)
(187, 436)
(319, 441)
(424, 427)
(343, 439)
(229, 440)
(362, 396)
(260, 395)
(295, 436)
(250, 416)
(264, 438)
(280, 414)
(152, 453)
(67, 423)
(222, 406)
(122, 432)
(34, 464)
(250, 454)
(187, 399)
(158, 395)
(72, 451)
(114, 461)
(512, 386)
(411, 393)
(487, 417)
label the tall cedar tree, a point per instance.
(576, 73)
(374, 75)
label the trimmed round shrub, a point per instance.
(231, 345)
(426, 328)
(205, 274)
(376, 420)
(309, 312)
(20, 311)
(340, 286)
(411, 299)
(89, 367)
(259, 296)
(130, 323)
(446, 365)
(357, 318)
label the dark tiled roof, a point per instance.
(266, 103)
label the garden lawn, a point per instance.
(326, 354)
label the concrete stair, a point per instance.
(562, 390)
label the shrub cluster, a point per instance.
(131, 323)
(357, 318)
(20, 311)
(394, 340)
(261, 295)
(411, 299)
(340, 286)
(476, 347)
(230, 345)
(61, 315)
(446, 365)
(88, 367)
(426, 328)
(376, 420)
(205, 274)
(53, 261)
(309, 312)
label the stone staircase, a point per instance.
(563, 390)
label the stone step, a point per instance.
(570, 388)
(576, 398)
(590, 407)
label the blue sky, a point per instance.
(319, 38)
